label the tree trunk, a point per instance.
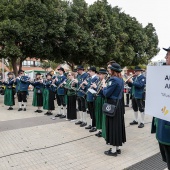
(71, 65)
(20, 63)
(14, 65)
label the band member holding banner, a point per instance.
(137, 85)
(9, 91)
(81, 78)
(163, 128)
(22, 83)
(90, 98)
(115, 126)
(38, 92)
(49, 94)
(60, 82)
(71, 97)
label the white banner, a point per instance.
(158, 92)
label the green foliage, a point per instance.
(73, 32)
(45, 65)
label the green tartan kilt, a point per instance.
(98, 111)
(9, 97)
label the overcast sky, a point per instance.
(149, 11)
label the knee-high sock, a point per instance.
(136, 116)
(142, 117)
(25, 104)
(84, 117)
(20, 104)
(64, 110)
(60, 110)
(81, 115)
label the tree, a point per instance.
(30, 29)
(45, 65)
(77, 42)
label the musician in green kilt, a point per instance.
(38, 92)
(9, 91)
(99, 101)
(49, 95)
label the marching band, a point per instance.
(87, 90)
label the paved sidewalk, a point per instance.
(32, 141)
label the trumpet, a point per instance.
(127, 79)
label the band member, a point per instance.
(71, 97)
(90, 98)
(38, 92)
(22, 83)
(115, 126)
(163, 128)
(49, 95)
(81, 77)
(9, 91)
(60, 81)
(137, 85)
(99, 101)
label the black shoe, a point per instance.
(110, 153)
(24, 109)
(126, 105)
(46, 113)
(88, 127)
(93, 129)
(99, 134)
(78, 123)
(62, 116)
(20, 109)
(36, 111)
(118, 151)
(10, 108)
(39, 111)
(83, 124)
(49, 114)
(133, 123)
(141, 125)
(58, 115)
